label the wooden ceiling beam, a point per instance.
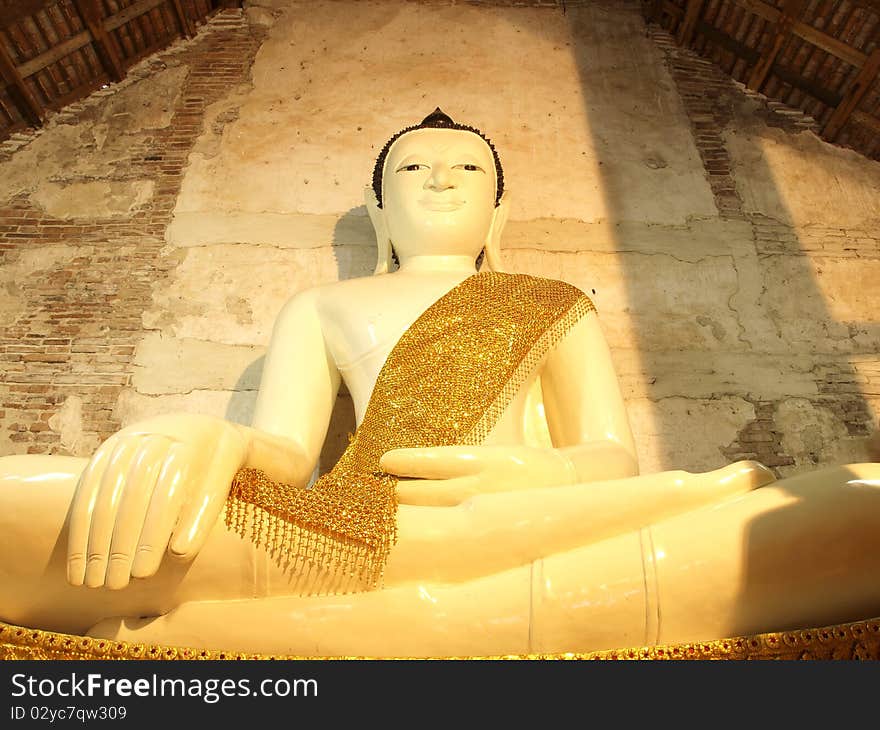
(105, 44)
(853, 95)
(781, 34)
(827, 43)
(669, 7)
(83, 38)
(688, 27)
(711, 33)
(867, 120)
(762, 9)
(793, 78)
(186, 26)
(37, 63)
(831, 45)
(30, 108)
(750, 55)
(131, 12)
(11, 14)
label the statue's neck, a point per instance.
(437, 264)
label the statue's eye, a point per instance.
(411, 168)
(470, 167)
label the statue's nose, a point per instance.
(440, 178)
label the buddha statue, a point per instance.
(486, 540)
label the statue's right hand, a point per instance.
(157, 484)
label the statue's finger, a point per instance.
(163, 512)
(140, 482)
(81, 509)
(438, 462)
(106, 507)
(437, 493)
(203, 508)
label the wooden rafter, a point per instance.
(130, 13)
(793, 78)
(22, 9)
(76, 42)
(105, 44)
(867, 120)
(780, 35)
(672, 9)
(806, 31)
(853, 95)
(689, 25)
(13, 79)
(786, 75)
(61, 72)
(725, 41)
(186, 26)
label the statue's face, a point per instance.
(438, 192)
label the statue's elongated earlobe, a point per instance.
(383, 256)
(383, 240)
(492, 249)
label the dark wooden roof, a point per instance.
(821, 56)
(54, 52)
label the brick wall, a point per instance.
(843, 388)
(67, 350)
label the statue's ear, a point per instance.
(493, 242)
(383, 240)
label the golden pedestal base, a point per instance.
(857, 640)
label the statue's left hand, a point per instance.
(448, 475)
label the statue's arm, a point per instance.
(161, 484)
(585, 410)
(298, 389)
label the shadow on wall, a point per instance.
(240, 408)
(355, 224)
(790, 338)
(806, 534)
(351, 229)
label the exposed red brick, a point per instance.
(60, 344)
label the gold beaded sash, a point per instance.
(446, 382)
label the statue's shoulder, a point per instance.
(347, 300)
(329, 291)
(542, 288)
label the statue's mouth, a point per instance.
(441, 205)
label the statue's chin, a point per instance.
(441, 233)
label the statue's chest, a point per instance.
(366, 339)
(360, 334)
(362, 325)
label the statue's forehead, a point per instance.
(433, 141)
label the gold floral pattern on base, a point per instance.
(857, 640)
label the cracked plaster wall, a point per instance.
(728, 330)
